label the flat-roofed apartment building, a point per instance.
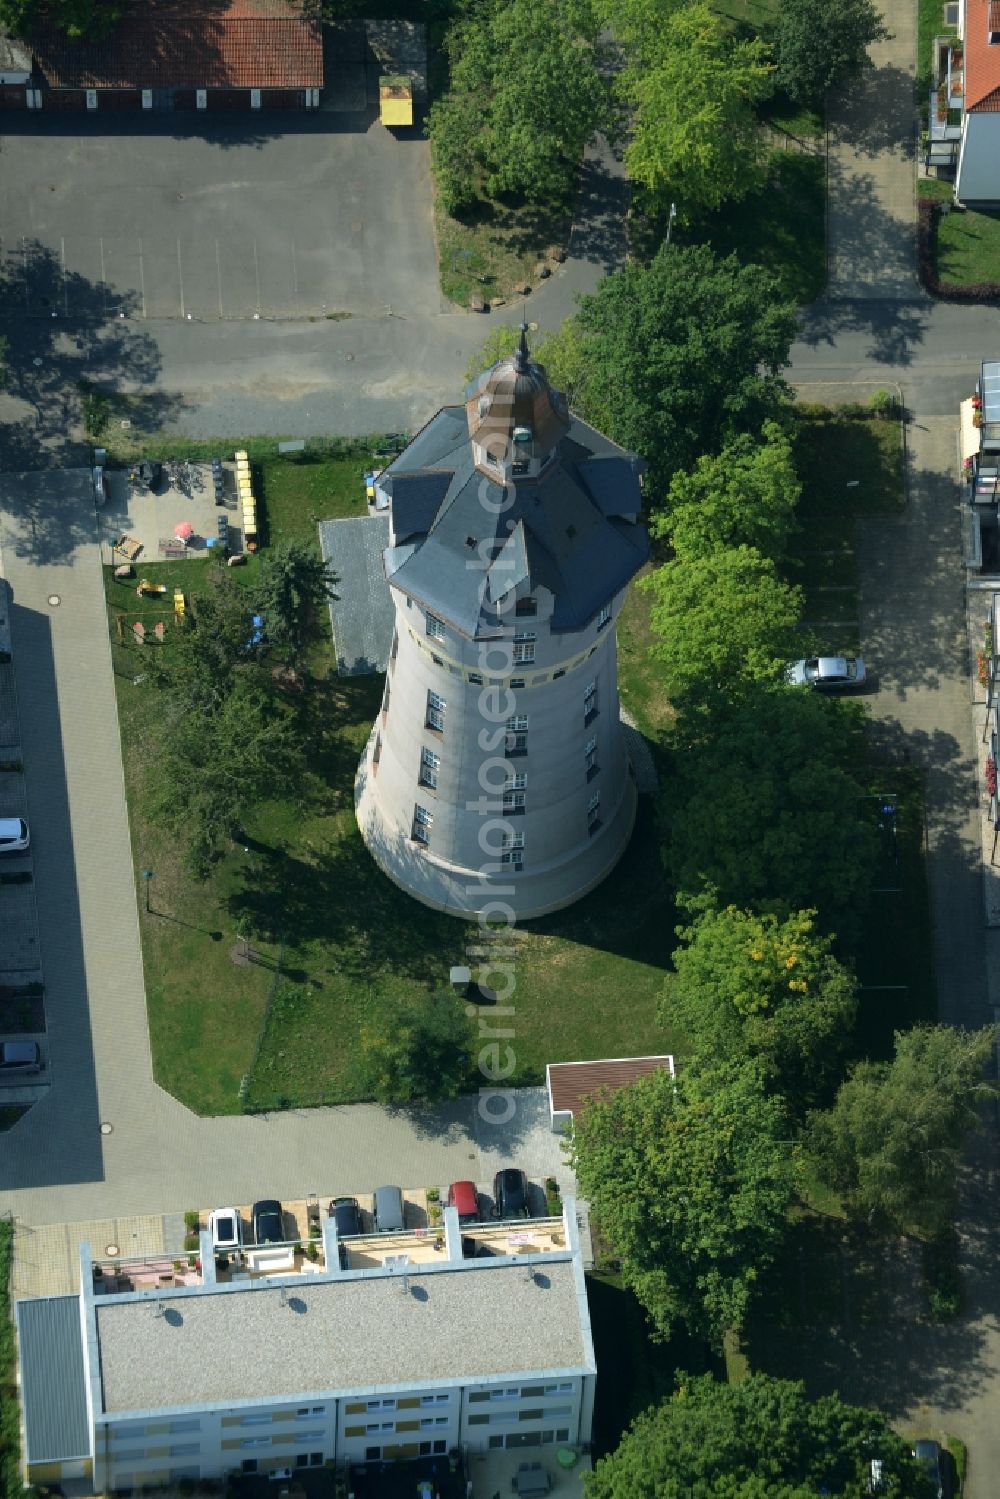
(406, 1359)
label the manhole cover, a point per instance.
(54, 600)
(111, 1249)
(107, 1129)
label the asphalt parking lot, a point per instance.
(270, 216)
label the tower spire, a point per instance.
(522, 359)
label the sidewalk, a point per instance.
(871, 249)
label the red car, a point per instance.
(464, 1197)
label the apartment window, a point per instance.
(531, 1415)
(309, 1436)
(516, 742)
(372, 1454)
(373, 1427)
(437, 1445)
(435, 711)
(185, 1449)
(186, 1425)
(526, 607)
(441, 1398)
(513, 803)
(590, 758)
(594, 813)
(524, 646)
(512, 840)
(590, 703)
(422, 824)
(257, 1419)
(562, 1388)
(435, 627)
(311, 1410)
(122, 1431)
(430, 764)
(478, 1420)
(427, 1422)
(513, 859)
(249, 1465)
(256, 1441)
(604, 618)
(388, 1404)
(505, 1394)
(516, 781)
(562, 1434)
(496, 1441)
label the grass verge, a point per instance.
(965, 245)
(492, 251)
(10, 1424)
(930, 23)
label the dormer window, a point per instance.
(484, 406)
(522, 434)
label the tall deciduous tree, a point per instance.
(724, 618)
(890, 1144)
(692, 89)
(744, 496)
(763, 803)
(213, 644)
(416, 1051)
(526, 94)
(674, 358)
(761, 1439)
(294, 589)
(822, 45)
(764, 987)
(77, 18)
(688, 1180)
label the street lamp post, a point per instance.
(670, 220)
(147, 875)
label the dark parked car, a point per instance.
(464, 1197)
(347, 1216)
(510, 1194)
(268, 1222)
(19, 1056)
(387, 1212)
(929, 1453)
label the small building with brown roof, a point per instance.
(184, 55)
(573, 1084)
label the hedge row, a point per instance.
(973, 291)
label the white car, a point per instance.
(827, 673)
(14, 835)
(226, 1227)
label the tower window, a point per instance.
(590, 702)
(604, 618)
(512, 840)
(590, 758)
(423, 821)
(385, 700)
(526, 607)
(430, 764)
(435, 627)
(594, 813)
(518, 723)
(516, 781)
(517, 682)
(524, 646)
(435, 711)
(513, 803)
(516, 742)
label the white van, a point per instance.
(14, 835)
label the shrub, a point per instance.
(192, 1220)
(191, 1241)
(884, 403)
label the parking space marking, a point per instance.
(142, 283)
(104, 279)
(180, 275)
(218, 270)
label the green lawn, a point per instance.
(832, 452)
(966, 244)
(587, 979)
(10, 1427)
(781, 227)
(930, 23)
(492, 251)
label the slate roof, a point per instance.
(361, 614)
(565, 530)
(189, 44)
(53, 1383)
(982, 59)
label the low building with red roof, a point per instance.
(184, 54)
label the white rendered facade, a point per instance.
(496, 776)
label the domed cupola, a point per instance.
(516, 420)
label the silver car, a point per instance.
(827, 673)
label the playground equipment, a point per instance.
(180, 608)
(150, 589)
(248, 504)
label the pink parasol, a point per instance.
(183, 530)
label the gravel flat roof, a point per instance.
(214, 1345)
(361, 611)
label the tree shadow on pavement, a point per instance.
(875, 113)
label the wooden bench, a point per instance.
(171, 547)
